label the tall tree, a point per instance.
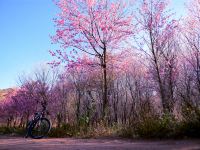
(156, 41)
(190, 76)
(95, 27)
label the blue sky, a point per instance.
(25, 26)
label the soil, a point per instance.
(19, 143)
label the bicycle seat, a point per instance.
(37, 113)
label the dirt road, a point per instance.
(95, 144)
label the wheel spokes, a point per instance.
(41, 128)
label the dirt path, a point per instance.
(97, 144)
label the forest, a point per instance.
(128, 68)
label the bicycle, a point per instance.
(39, 126)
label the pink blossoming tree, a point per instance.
(156, 40)
(95, 28)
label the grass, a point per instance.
(148, 128)
(11, 131)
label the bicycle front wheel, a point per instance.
(40, 128)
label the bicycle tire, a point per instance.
(27, 128)
(43, 125)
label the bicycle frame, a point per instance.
(37, 116)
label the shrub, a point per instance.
(154, 127)
(66, 130)
(189, 129)
(12, 131)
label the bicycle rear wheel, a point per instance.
(40, 128)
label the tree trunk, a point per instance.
(105, 86)
(158, 76)
(78, 107)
